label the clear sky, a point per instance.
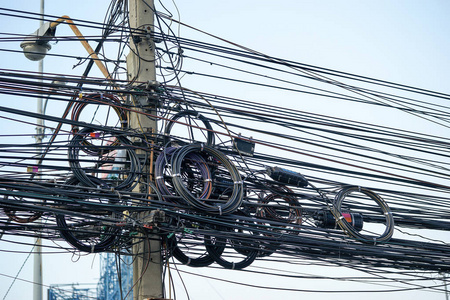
(403, 41)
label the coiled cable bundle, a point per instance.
(187, 246)
(123, 170)
(163, 180)
(371, 214)
(241, 253)
(194, 172)
(96, 102)
(216, 159)
(86, 234)
(190, 126)
(280, 206)
(16, 214)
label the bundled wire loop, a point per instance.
(194, 170)
(126, 168)
(386, 215)
(87, 234)
(217, 160)
(189, 117)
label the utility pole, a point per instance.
(147, 267)
(37, 263)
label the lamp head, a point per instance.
(35, 51)
(36, 45)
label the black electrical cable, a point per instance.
(219, 160)
(189, 119)
(194, 172)
(87, 235)
(342, 221)
(193, 254)
(127, 174)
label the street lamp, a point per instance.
(36, 45)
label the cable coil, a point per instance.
(218, 206)
(354, 232)
(129, 175)
(194, 170)
(247, 248)
(87, 235)
(189, 114)
(110, 101)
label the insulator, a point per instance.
(287, 176)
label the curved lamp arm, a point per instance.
(36, 45)
(83, 41)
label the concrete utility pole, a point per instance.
(147, 267)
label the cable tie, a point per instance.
(202, 145)
(187, 230)
(207, 180)
(189, 261)
(239, 182)
(32, 169)
(388, 213)
(220, 209)
(176, 175)
(159, 177)
(232, 266)
(92, 248)
(359, 188)
(374, 241)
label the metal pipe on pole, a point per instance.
(37, 263)
(147, 265)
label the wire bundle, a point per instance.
(15, 213)
(219, 160)
(84, 233)
(338, 212)
(246, 248)
(188, 246)
(407, 168)
(194, 171)
(125, 178)
(111, 101)
(188, 114)
(287, 207)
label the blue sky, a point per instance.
(400, 41)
